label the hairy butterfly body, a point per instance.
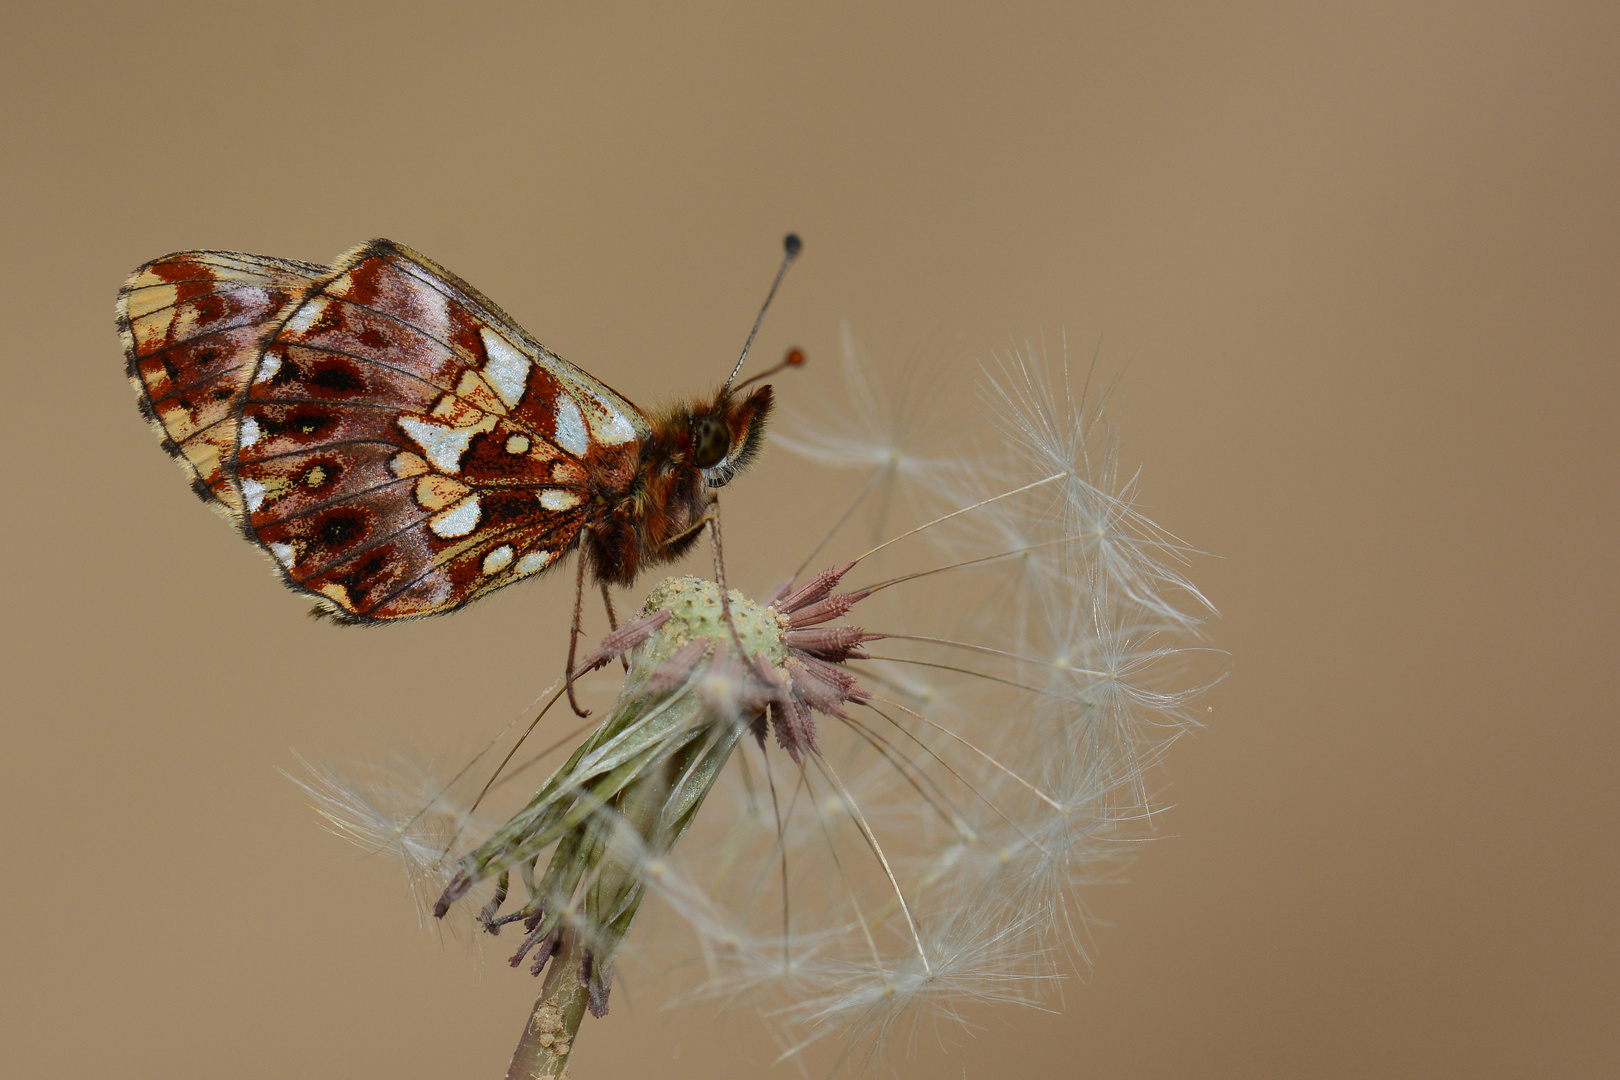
(398, 444)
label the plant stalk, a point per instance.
(548, 1038)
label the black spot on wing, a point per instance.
(338, 529)
(338, 379)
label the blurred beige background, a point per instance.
(1360, 262)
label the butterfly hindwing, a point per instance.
(404, 447)
(193, 324)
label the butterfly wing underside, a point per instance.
(193, 325)
(404, 447)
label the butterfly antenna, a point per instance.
(791, 245)
(794, 358)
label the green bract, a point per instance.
(630, 790)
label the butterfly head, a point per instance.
(725, 435)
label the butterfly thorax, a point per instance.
(656, 512)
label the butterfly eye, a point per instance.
(710, 442)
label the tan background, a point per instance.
(1362, 261)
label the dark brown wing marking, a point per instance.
(405, 448)
(193, 325)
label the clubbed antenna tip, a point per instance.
(791, 245)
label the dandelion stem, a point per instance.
(548, 1038)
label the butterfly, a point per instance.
(399, 445)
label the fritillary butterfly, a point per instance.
(398, 444)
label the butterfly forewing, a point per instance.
(404, 447)
(193, 326)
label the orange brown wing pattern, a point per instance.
(193, 325)
(405, 448)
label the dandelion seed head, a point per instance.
(897, 782)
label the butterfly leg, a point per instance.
(573, 633)
(720, 577)
(613, 621)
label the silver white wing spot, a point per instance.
(459, 520)
(609, 425)
(497, 560)
(533, 561)
(507, 370)
(252, 493)
(443, 446)
(570, 426)
(553, 499)
(304, 317)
